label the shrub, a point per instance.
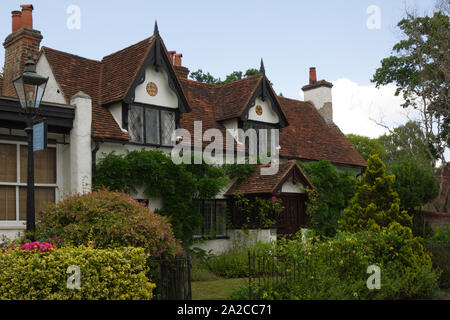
(337, 268)
(107, 219)
(440, 236)
(115, 274)
(234, 262)
(334, 189)
(440, 257)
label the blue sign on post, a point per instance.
(40, 136)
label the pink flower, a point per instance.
(274, 198)
(37, 246)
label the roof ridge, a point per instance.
(69, 54)
(126, 48)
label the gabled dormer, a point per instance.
(153, 100)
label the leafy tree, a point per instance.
(334, 189)
(420, 68)
(415, 184)
(366, 146)
(406, 141)
(200, 76)
(376, 205)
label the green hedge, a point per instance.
(106, 274)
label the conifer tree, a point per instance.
(375, 206)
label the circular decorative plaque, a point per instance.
(152, 89)
(259, 110)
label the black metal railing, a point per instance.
(172, 276)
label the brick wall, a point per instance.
(437, 219)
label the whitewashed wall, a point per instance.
(268, 115)
(165, 97)
(53, 92)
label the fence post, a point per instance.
(189, 266)
(249, 276)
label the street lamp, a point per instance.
(30, 88)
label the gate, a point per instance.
(172, 276)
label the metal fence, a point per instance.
(172, 277)
(266, 270)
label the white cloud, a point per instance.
(354, 106)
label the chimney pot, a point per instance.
(16, 20)
(312, 75)
(171, 55)
(27, 16)
(178, 59)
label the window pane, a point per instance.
(42, 196)
(136, 124)
(44, 165)
(168, 127)
(7, 203)
(221, 212)
(208, 217)
(151, 126)
(8, 163)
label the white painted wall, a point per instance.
(165, 97)
(318, 96)
(80, 144)
(53, 92)
(268, 115)
(237, 238)
(116, 111)
(290, 187)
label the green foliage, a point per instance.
(177, 185)
(258, 212)
(440, 257)
(336, 268)
(415, 183)
(208, 78)
(376, 205)
(106, 219)
(334, 189)
(366, 146)
(106, 274)
(441, 236)
(406, 141)
(239, 171)
(234, 262)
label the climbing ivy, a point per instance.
(176, 184)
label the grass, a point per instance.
(217, 289)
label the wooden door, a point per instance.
(294, 215)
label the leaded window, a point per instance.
(154, 126)
(214, 217)
(264, 134)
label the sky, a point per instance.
(344, 39)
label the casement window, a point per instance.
(13, 180)
(214, 218)
(151, 125)
(264, 141)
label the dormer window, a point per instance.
(151, 125)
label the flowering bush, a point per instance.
(37, 246)
(106, 274)
(107, 219)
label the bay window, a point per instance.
(151, 125)
(13, 180)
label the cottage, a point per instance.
(135, 98)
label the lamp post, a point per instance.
(30, 88)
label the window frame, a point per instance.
(248, 124)
(202, 234)
(144, 106)
(18, 184)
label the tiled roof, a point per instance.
(120, 70)
(74, 74)
(259, 184)
(308, 136)
(235, 96)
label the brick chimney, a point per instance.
(319, 93)
(22, 42)
(181, 72)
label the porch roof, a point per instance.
(257, 183)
